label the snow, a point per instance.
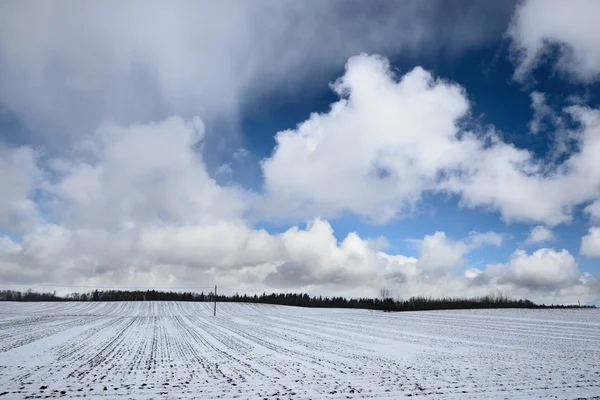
(179, 350)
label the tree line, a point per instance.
(287, 299)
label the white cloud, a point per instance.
(544, 267)
(18, 176)
(552, 123)
(78, 63)
(140, 174)
(114, 196)
(540, 234)
(313, 257)
(368, 155)
(590, 243)
(307, 259)
(224, 170)
(137, 206)
(547, 276)
(593, 210)
(478, 239)
(107, 241)
(387, 142)
(568, 27)
(126, 233)
(540, 112)
(544, 117)
(440, 254)
(211, 246)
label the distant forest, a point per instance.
(288, 299)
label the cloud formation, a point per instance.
(143, 191)
(562, 32)
(590, 243)
(389, 140)
(540, 234)
(138, 208)
(308, 259)
(65, 68)
(122, 177)
(545, 267)
(441, 254)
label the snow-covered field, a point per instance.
(179, 350)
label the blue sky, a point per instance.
(458, 157)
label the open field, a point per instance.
(179, 350)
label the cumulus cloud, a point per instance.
(137, 174)
(113, 197)
(543, 267)
(302, 258)
(439, 253)
(117, 229)
(564, 32)
(137, 206)
(381, 163)
(590, 243)
(540, 234)
(315, 258)
(546, 274)
(389, 140)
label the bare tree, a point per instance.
(384, 293)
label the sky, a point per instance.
(432, 148)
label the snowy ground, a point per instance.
(179, 350)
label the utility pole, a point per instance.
(215, 311)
